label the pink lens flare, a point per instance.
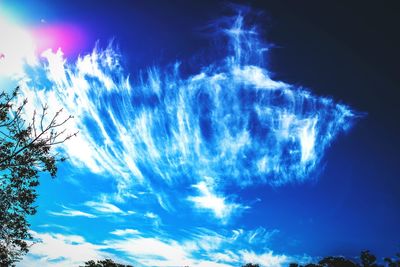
(70, 38)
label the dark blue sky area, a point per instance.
(345, 50)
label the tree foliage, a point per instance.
(336, 261)
(25, 152)
(393, 262)
(367, 259)
(104, 263)
(251, 265)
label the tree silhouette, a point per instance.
(336, 262)
(25, 152)
(367, 259)
(104, 263)
(393, 262)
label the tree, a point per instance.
(104, 263)
(25, 152)
(336, 262)
(251, 265)
(393, 262)
(367, 259)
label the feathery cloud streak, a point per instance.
(230, 123)
(202, 248)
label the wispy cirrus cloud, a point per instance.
(151, 251)
(264, 259)
(53, 249)
(260, 235)
(99, 209)
(230, 121)
(105, 208)
(125, 232)
(202, 247)
(67, 212)
(207, 199)
(55, 226)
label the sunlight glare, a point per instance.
(17, 48)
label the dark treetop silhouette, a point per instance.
(367, 259)
(104, 263)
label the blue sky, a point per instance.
(210, 134)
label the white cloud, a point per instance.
(226, 256)
(259, 235)
(207, 240)
(267, 259)
(209, 200)
(151, 250)
(125, 232)
(57, 250)
(105, 208)
(151, 215)
(138, 142)
(206, 263)
(47, 225)
(164, 202)
(215, 250)
(155, 219)
(102, 208)
(72, 213)
(202, 248)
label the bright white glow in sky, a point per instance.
(17, 48)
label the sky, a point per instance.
(212, 133)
